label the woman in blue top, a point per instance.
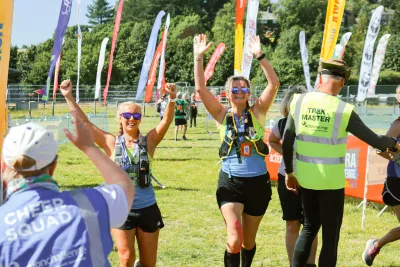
(244, 190)
(134, 153)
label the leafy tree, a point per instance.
(150, 8)
(100, 12)
(13, 57)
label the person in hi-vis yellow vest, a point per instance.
(319, 122)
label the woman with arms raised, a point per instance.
(244, 189)
(134, 153)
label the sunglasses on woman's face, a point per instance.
(128, 115)
(236, 90)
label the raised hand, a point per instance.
(83, 137)
(66, 88)
(170, 89)
(200, 45)
(255, 46)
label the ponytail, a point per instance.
(121, 130)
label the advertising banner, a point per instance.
(368, 52)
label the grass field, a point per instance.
(194, 232)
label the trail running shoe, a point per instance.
(370, 252)
(184, 138)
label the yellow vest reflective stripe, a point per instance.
(321, 121)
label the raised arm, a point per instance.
(264, 102)
(156, 135)
(216, 109)
(111, 172)
(104, 139)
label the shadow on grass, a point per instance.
(156, 188)
(72, 187)
(183, 159)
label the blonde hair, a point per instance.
(398, 88)
(120, 106)
(16, 170)
(287, 99)
(229, 82)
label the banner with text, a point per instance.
(368, 53)
(240, 6)
(6, 19)
(378, 61)
(251, 29)
(153, 71)
(148, 58)
(100, 65)
(340, 47)
(79, 50)
(304, 58)
(114, 41)
(161, 72)
(209, 71)
(63, 19)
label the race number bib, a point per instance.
(245, 149)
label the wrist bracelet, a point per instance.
(261, 57)
(173, 99)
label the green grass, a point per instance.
(194, 232)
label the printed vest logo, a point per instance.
(1, 40)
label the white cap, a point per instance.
(32, 140)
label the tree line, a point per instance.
(216, 18)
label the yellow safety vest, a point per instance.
(321, 121)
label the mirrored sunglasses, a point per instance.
(128, 115)
(236, 90)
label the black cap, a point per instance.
(335, 67)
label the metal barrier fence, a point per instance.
(17, 93)
(57, 124)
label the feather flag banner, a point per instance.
(63, 20)
(148, 58)
(100, 66)
(114, 41)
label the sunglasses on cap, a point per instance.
(236, 90)
(128, 115)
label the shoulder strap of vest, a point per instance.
(118, 151)
(249, 121)
(92, 225)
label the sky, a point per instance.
(35, 21)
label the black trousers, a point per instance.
(321, 208)
(193, 116)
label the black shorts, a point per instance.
(290, 202)
(253, 192)
(391, 191)
(181, 121)
(148, 219)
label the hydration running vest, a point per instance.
(231, 136)
(321, 121)
(139, 170)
